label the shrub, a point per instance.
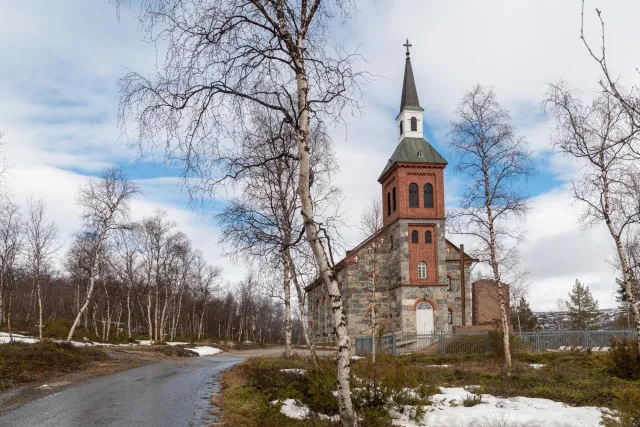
(625, 358)
(56, 328)
(471, 400)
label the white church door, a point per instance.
(424, 318)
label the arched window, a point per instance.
(450, 317)
(388, 203)
(414, 236)
(428, 196)
(413, 196)
(450, 283)
(427, 237)
(394, 199)
(401, 127)
(422, 270)
(414, 124)
(391, 241)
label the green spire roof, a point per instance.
(415, 150)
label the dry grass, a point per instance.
(24, 363)
(573, 378)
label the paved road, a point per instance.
(174, 393)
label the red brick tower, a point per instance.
(413, 191)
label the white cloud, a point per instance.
(58, 100)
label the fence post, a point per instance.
(393, 344)
(442, 348)
(538, 346)
(586, 340)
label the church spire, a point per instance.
(409, 99)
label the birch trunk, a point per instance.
(287, 306)
(39, 302)
(149, 317)
(347, 413)
(9, 317)
(92, 280)
(303, 311)
(129, 313)
(627, 276)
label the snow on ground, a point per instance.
(356, 357)
(172, 343)
(447, 410)
(536, 365)
(294, 371)
(205, 350)
(296, 410)
(438, 366)
(4, 338)
(144, 342)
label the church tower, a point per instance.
(413, 192)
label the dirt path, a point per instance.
(277, 351)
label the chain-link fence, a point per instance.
(443, 343)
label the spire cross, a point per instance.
(407, 45)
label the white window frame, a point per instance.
(422, 270)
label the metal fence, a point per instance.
(444, 343)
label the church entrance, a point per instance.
(424, 318)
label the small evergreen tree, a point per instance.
(522, 316)
(581, 308)
(624, 320)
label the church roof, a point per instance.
(409, 150)
(409, 99)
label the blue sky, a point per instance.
(58, 102)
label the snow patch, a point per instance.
(173, 343)
(4, 338)
(205, 350)
(536, 365)
(356, 357)
(438, 366)
(296, 410)
(294, 371)
(447, 410)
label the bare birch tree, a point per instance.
(370, 224)
(41, 245)
(263, 222)
(600, 136)
(105, 208)
(495, 162)
(12, 236)
(224, 57)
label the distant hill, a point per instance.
(552, 320)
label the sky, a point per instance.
(61, 61)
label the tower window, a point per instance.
(388, 203)
(394, 199)
(401, 127)
(450, 283)
(422, 270)
(414, 236)
(413, 196)
(427, 237)
(450, 317)
(420, 154)
(414, 124)
(428, 196)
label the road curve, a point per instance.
(173, 393)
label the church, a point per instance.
(421, 278)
